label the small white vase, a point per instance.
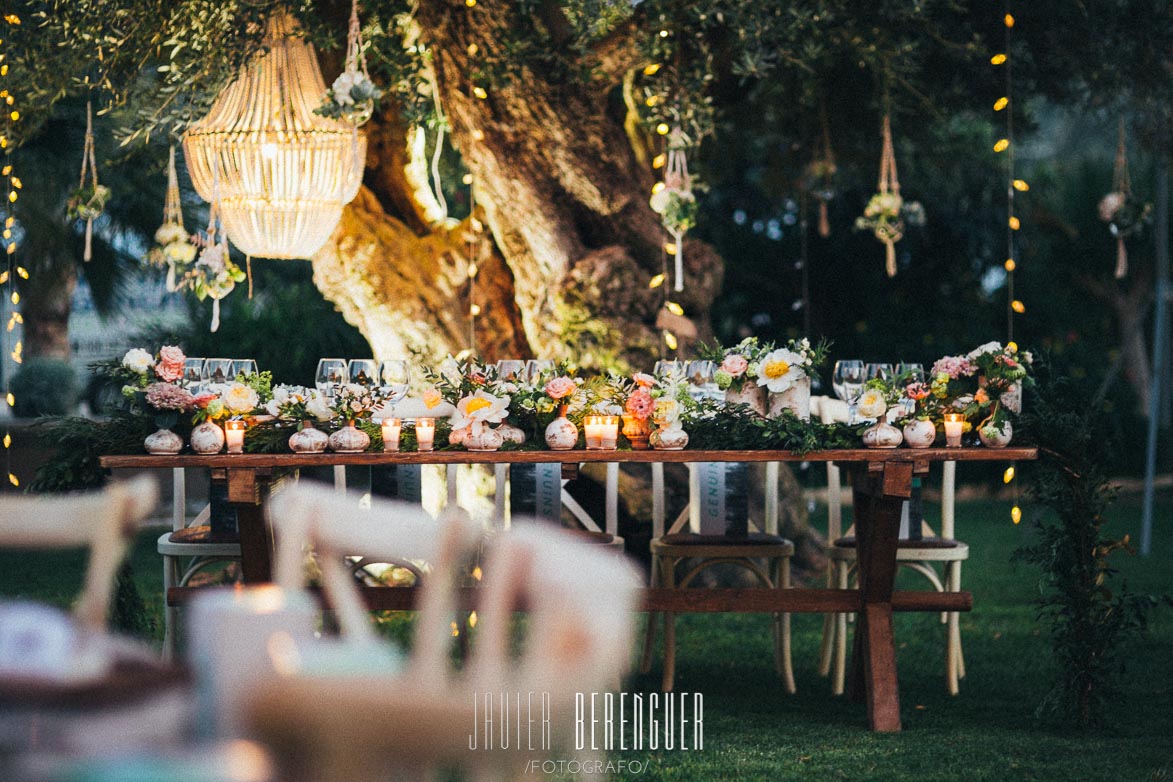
(207, 438)
(919, 433)
(308, 440)
(561, 434)
(349, 439)
(797, 399)
(458, 436)
(671, 438)
(750, 394)
(882, 435)
(163, 443)
(485, 439)
(511, 434)
(993, 437)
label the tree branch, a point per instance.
(616, 53)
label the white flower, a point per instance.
(239, 398)
(138, 360)
(450, 371)
(342, 86)
(170, 232)
(480, 408)
(871, 403)
(214, 258)
(659, 200)
(180, 252)
(318, 407)
(981, 350)
(779, 370)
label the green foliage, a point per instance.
(44, 386)
(1091, 617)
(128, 614)
(711, 425)
(78, 442)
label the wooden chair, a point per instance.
(104, 521)
(704, 551)
(579, 601)
(920, 554)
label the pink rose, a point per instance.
(170, 364)
(560, 387)
(643, 380)
(202, 400)
(640, 404)
(735, 365)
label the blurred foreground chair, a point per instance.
(414, 723)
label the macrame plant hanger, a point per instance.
(889, 183)
(356, 62)
(1122, 184)
(88, 165)
(172, 211)
(216, 235)
(676, 178)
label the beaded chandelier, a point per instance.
(284, 172)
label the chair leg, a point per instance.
(170, 613)
(840, 666)
(782, 629)
(668, 575)
(954, 664)
(645, 663)
(825, 649)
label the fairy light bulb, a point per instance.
(1008, 476)
(651, 70)
(1014, 223)
(998, 59)
(1001, 103)
(1021, 185)
(1016, 514)
(663, 128)
(1018, 306)
(1001, 145)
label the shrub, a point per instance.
(44, 386)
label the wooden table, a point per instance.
(881, 481)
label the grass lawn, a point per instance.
(754, 730)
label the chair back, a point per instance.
(103, 521)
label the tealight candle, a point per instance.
(234, 435)
(425, 433)
(953, 425)
(602, 432)
(391, 428)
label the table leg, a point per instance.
(256, 544)
(878, 503)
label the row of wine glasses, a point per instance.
(392, 378)
(199, 373)
(699, 374)
(849, 376)
(516, 370)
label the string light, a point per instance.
(1016, 514)
(674, 308)
(656, 281)
(13, 269)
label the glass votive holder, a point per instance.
(601, 432)
(954, 423)
(391, 428)
(234, 435)
(425, 433)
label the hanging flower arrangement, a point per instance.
(1125, 214)
(214, 275)
(174, 249)
(673, 199)
(88, 201)
(353, 95)
(886, 213)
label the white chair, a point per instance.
(919, 554)
(579, 601)
(186, 550)
(105, 521)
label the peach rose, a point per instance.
(735, 365)
(170, 364)
(560, 387)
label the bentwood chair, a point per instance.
(579, 601)
(922, 553)
(765, 555)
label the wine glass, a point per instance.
(243, 366)
(909, 374)
(536, 367)
(847, 380)
(216, 370)
(700, 378)
(331, 374)
(511, 369)
(193, 371)
(878, 371)
(363, 371)
(669, 370)
(394, 378)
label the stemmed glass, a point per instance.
(879, 371)
(536, 367)
(331, 374)
(363, 371)
(216, 370)
(243, 366)
(193, 371)
(909, 374)
(847, 380)
(700, 379)
(669, 370)
(511, 369)
(394, 378)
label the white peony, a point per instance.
(318, 407)
(342, 87)
(659, 200)
(479, 409)
(779, 370)
(981, 350)
(871, 403)
(138, 360)
(239, 398)
(450, 371)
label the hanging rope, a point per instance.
(172, 210)
(674, 201)
(889, 183)
(1122, 184)
(825, 160)
(89, 164)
